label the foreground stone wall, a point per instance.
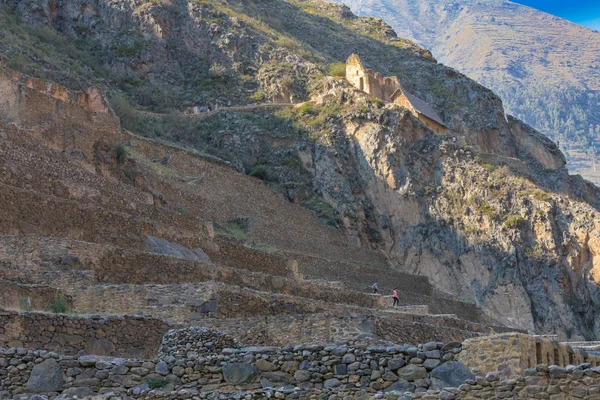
(512, 354)
(108, 336)
(306, 372)
(315, 367)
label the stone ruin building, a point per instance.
(389, 89)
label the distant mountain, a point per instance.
(546, 69)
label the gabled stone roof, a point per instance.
(419, 105)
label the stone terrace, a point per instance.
(97, 221)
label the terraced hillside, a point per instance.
(348, 187)
(98, 221)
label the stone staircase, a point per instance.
(115, 224)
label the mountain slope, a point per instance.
(483, 218)
(545, 69)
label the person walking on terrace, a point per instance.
(375, 288)
(395, 297)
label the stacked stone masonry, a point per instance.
(204, 368)
(512, 354)
(127, 336)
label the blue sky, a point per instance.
(584, 12)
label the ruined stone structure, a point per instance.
(389, 89)
(368, 81)
(420, 109)
(512, 354)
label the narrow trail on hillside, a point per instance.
(208, 114)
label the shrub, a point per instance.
(259, 95)
(376, 102)
(323, 209)
(25, 304)
(338, 69)
(542, 196)
(263, 172)
(307, 109)
(122, 152)
(127, 50)
(236, 228)
(60, 305)
(488, 167)
(487, 210)
(514, 221)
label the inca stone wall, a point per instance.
(197, 364)
(325, 327)
(317, 367)
(128, 336)
(52, 108)
(512, 354)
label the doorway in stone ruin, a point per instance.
(362, 84)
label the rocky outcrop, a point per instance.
(474, 224)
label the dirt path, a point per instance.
(208, 114)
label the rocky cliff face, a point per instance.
(470, 221)
(542, 66)
(493, 218)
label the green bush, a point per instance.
(542, 196)
(338, 69)
(236, 228)
(514, 221)
(127, 50)
(323, 209)
(263, 172)
(487, 210)
(307, 109)
(60, 305)
(122, 152)
(376, 102)
(25, 304)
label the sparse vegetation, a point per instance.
(324, 210)
(542, 196)
(514, 221)
(338, 70)
(128, 50)
(236, 228)
(263, 172)
(486, 210)
(122, 152)
(60, 305)
(25, 304)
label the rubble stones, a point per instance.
(195, 340)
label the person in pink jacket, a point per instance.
(395, 297)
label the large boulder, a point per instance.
(46, 377)
(238, 373)
(450, 374)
